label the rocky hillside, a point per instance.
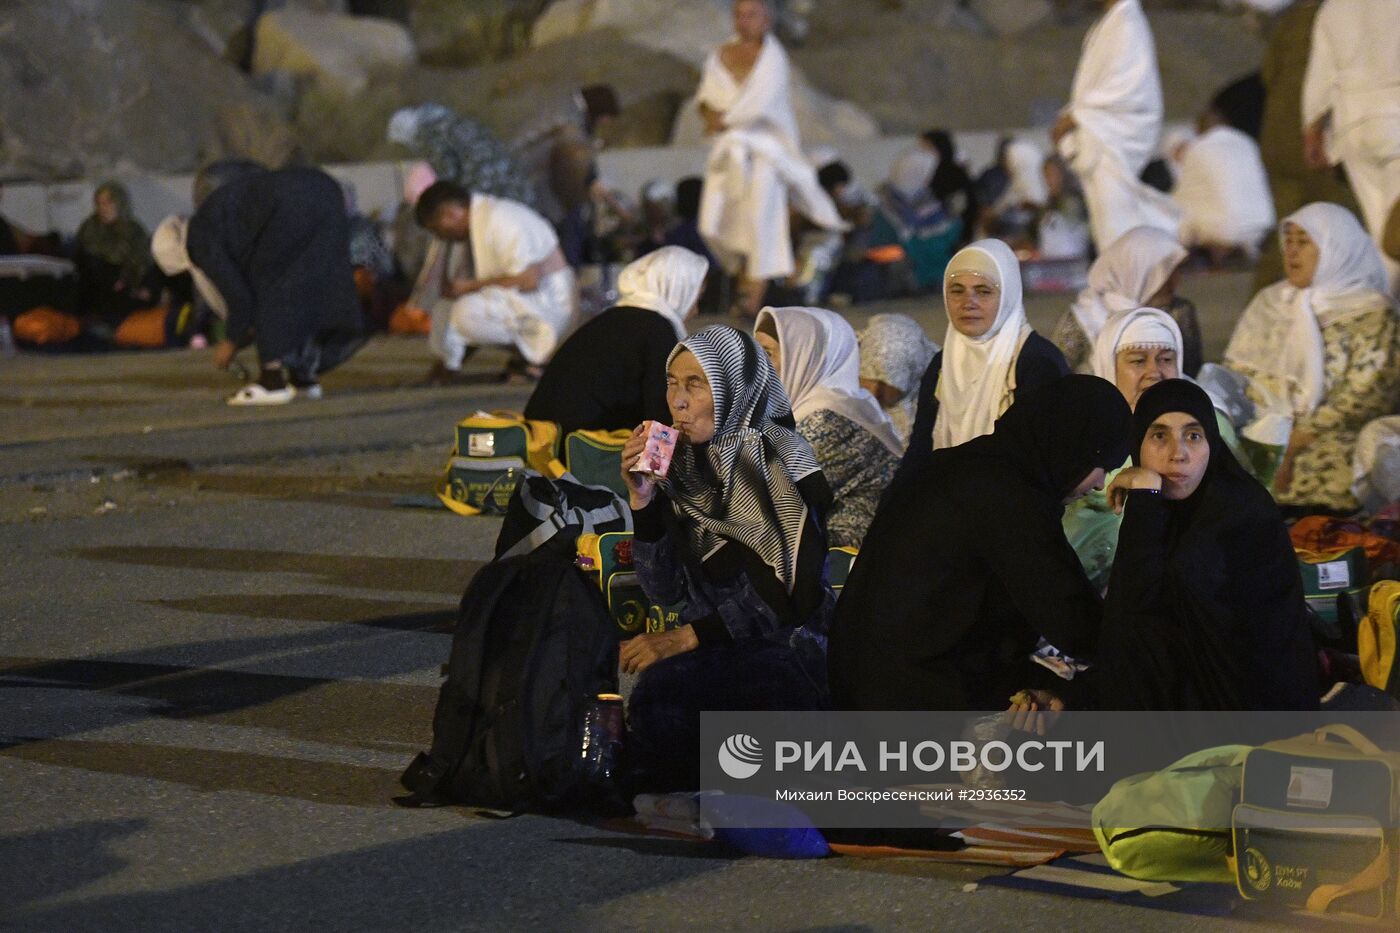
(163, 85)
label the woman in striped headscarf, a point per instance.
(734, 532)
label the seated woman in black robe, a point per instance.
(966, 566)
(610, 374)
(1205, 606)
(734, 531)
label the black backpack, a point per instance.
(533, 648)
(541, 508)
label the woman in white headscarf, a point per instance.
(1323, 345)
(910, 217)
(894, 352)
(1137, 270)
(818, 360)
(1135, 350)
(610, 374)
(990, 357)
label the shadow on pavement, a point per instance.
(403, 574)
(322, 607)
(44, 864)
(467, 878)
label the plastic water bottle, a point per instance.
(603, 736)
(7, 338)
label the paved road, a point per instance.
(219, 644)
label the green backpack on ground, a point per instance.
(1174, 824)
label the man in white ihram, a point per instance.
(756, 162)
(495, 276)
(1351, 105)
(1109, 130)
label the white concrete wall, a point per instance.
(62, 206)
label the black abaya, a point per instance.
(1205, 605)
(966, 564)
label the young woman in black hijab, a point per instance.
(966, 566)
(1205, 606)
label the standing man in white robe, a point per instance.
(1109, 130)
(756, 162)
(1351, 104)
(497, 277)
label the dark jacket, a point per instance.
(277, 246)
(609, 374)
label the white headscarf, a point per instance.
(170, 253)
(1139, 329)
(820, 369)
(1280, 333)
(912, 171)
(1131, 270)
(666, 281)
(978, 374)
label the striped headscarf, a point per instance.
(746, 488)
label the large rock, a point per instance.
(508, 96)
(1012, 17)
(338, 53)
(910, 71)
(689, 32)
(89, 86)
(454, 33)
(686, 30)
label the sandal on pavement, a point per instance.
(255, 394)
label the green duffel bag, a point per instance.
(595, 458)
(1174, 824)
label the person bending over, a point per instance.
(495, 277)
(271, 252)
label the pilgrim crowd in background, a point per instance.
(1100, 493)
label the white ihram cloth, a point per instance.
(1278, 341)
(976, 381)
(1133, 269)
(1354, 74)
(820, 369)
(1223, 192)
(755, 165)
(1116, 102)
(506, 238)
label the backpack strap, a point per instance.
(552, 520)
(1368, 879)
